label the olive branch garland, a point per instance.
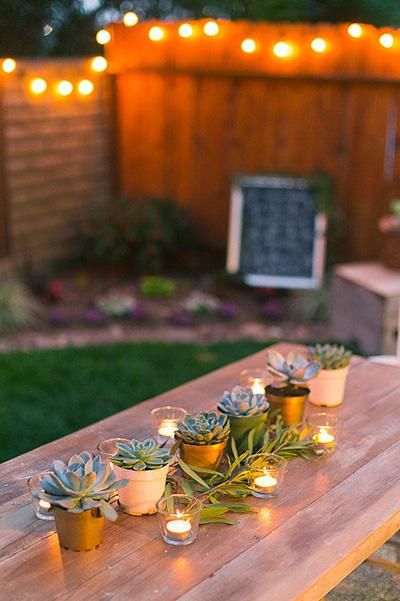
(213, 487)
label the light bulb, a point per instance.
(65, 87)
(282, 50)
(185, 30)
(386, 40)
(99, 64)
(103, 37)
(156, 34)
(248, 46)
(8, 65)
(355, 30)
(38, 85)
(211, 28)
(85, 87)
(130, 19)
(319, 45)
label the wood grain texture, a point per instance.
(330, 515)
(193, 113)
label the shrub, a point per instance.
(17, 308)
(149, 234)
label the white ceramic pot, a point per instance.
(144, 489)
(327, 388)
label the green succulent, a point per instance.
(140, 456)
(203, 429)
(331, 356)
(82, 483)
(293, 370)
(243, 402)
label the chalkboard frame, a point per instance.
(235, 235)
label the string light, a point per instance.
(386, 40)
(85, 87)
(38, 85)
(103, 37)
(8, 65)
(211, 28)
(185, 30)
(319, 45)
(282, 50)
(355, 30)
(248, 46)
(65, 87)
(130, 19)
(156, 34)
(99, 64)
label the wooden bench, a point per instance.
(331, 514)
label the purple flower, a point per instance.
(58, 317)
(272, 308)
(93, 316)
(139, 312)
(180, 317)
(227, 310)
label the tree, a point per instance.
(67, 27)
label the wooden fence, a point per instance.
(54, 159)
(193, 112)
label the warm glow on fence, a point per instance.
(130, 19)
(283, 49)
(85, 87)
(65, 87)
(99, 64)
(211, 28)
(156, 34)
(103, 37)
(249, 46)
(8, 65)
(386, 40)
(38, 85)
(185, 30)
(319, 45)
(355, 30)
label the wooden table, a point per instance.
(331, 515)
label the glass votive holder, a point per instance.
(179, 518)
(108, 448)
(323, 429)
(266, 474)
(256, 379)
(41, 508)
(165, 422)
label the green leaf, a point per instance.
(217, 520)
(233, 447)
(108, 512)
(169, 500)
(237, 507)
(187, 487)
(250, 440)
(192, 474)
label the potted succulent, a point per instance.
(202, 439)
(327, 388)
(78, 493)
(145, 465)
(247, 412)
(288, 394)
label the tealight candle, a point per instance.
(165, 422)
(266, 483)
(266, 474)
(257, 379)
(41, 507)
(168, 428)
(44, 504)
(179, 529)
(323, 429)
(179, 518)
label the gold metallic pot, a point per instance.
(206, 456)
(291, 407)
(79, 531)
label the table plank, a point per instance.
(134, 563)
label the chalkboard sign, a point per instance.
(276, 233)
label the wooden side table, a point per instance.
(365, 306)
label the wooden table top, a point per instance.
(330, 516)
(373, 276)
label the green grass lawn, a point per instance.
(49, 393)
